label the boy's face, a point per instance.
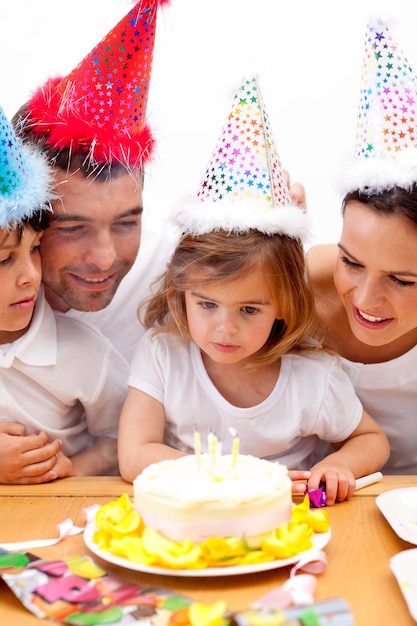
(92, 240)
(20, 277)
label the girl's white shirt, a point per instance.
(313, 397)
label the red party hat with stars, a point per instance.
(386, 135)
(25, 178)
(100, 107)
(244, 187)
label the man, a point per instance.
(92, 127)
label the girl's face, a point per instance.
(376, 274)
(20, 278)
(231, 322)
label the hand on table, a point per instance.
(26, 459)
(63, 466)
(340, 481)
(299, 478)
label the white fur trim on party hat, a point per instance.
(199, 218)
(244, 187)
(25, 178)
(374, 176)
(385, 153)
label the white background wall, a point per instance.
(307, 54)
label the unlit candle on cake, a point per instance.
(212, 446)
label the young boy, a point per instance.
(62, 383)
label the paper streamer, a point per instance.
(65, 529)
(318, 496)
(370, 479)
(298, 589)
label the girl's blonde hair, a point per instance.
(220, 258)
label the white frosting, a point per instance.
(183, 499)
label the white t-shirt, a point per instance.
(64, 378)
(119, 320)
(388, 392)
(312, 398)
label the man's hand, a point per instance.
(297, 192)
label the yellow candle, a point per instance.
(197, 450)
(235, 447)
(212, 444)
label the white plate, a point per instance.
(404, 567)
(319, 541)
(399, 507)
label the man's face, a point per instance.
(92, 240)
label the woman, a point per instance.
(366, 299)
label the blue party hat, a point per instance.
(25, 178)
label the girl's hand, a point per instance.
(299, 478)
(340, 481)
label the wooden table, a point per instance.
(358, 553)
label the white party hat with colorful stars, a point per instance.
(386, 135)
(243, 187)
(25, 178)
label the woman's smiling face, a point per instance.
(376, 274)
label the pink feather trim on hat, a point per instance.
(69, 129)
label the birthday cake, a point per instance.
(187, 498)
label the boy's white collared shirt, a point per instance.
(62, 377)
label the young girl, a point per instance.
(228, 342)
(228, 347)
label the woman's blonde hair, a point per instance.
(221, 257)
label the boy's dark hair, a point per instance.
(38, 222)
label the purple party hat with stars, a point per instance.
(386, 136)
(25, 178)
(243, 186)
